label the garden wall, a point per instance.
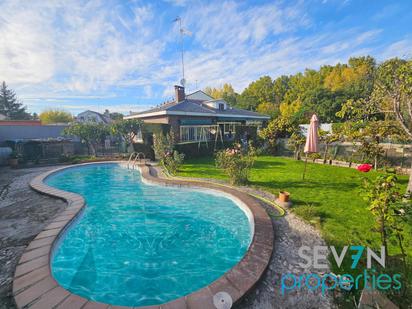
(25, 132)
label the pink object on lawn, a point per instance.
(364, 168)
(312, 138)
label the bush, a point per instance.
(173, 161)
(236, 163)
(169, 158)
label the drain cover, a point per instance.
(222, 300)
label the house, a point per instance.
(3, 117)
(92, 116)
(197, 117)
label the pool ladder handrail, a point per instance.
(138, 154)
(130, 158)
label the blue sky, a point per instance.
(124, 55)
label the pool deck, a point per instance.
(34, 287)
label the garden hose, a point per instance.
(281, 210)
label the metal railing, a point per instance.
(139, 156)
(130, 158)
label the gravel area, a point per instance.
(23, 214)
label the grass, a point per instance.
(330, 198)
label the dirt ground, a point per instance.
(23, 214)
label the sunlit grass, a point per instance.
(330, 197)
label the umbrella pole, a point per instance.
(304, 170)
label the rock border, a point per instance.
(34, 286)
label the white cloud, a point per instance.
(401, 48)
(74, 46)
(26, 49)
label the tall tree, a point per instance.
(393, 94)
(128, 129)
(10, 106)
(55, 116)
(260, 91)
(280, 87)
(225, 92)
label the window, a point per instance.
(138, 137)
(196, 133)
(229, 127)
(221, 106)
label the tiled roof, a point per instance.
(196, 106)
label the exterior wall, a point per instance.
(156, 119)
(89, 116)
(25, 132)
(199, 95)
(2, 117)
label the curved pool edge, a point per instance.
(34, 286)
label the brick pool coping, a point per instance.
(34, 286)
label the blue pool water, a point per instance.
(137, 244)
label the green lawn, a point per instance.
(330, 197)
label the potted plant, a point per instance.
(14, 159)
(284, 196)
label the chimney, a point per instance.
(179, 93)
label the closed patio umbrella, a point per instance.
(312, 140)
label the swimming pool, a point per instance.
(137, 244)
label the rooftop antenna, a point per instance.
(182, 33)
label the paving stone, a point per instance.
(72, 302)
(37, 243)
(51, 298)
(33, 254)
(179, 303)
(30, 278)
(31, 265)
(34, 292)
(95, 305)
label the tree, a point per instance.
(226, 92)
(260, 91)
(116, 116)
(268, 109)
(55, 116)
(128, 129)
(10, 106)
(385, 202)
(393, 95)
(366, 127)
(280, 88)
(286, 124)
(91, 133)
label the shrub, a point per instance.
(173, 161)
(236, 163)
(169, 158)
